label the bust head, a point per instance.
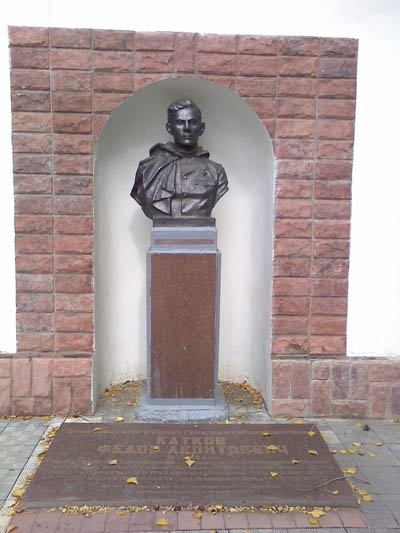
(184, 123)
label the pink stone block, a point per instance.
(320, 370)
(331, 519)
(5, 397)
(303, 520)
(320, 398)
(42, 406)
(22, 406)
(300, 379)
(359, 380)
(259, 520)
(72, 367)
(41, 377)
(340, 380)
(62, 397)
(236, 520)
(172, 518)
(395, 400)
(117, 522)
(5, 367)
(142, 521)
(24, 521)
(349, 408)
(22, 380)
(81, 396)
(213, 521)
(95, 523)
(290, 407)
(384, 371)
(352, 518)
(46, 522)
(281, 371)
(186, 521)
(283, 520)
(379, 399)
(70, 523)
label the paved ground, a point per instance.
(378, 474)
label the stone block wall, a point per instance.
(354, 387)
(65, 83)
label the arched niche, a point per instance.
(235, 137)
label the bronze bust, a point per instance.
(179, 179)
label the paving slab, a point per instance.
(378, 514)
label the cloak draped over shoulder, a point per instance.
(175, 182)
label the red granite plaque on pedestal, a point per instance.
(183, 296)
(183, 284)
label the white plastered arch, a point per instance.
(236, 138)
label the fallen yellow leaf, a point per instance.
(132, 480)
(357, 444)
(323, 435)
(335, 492)
(362, 492)
(45, 418)
(97, 429)
(196, 515)
(358, 424)
(266, 434)
(218, 506)
(313, 522)
(295, 462)
(350, 470)
(119, 419)
(378, 444)
(313, 452)
(189, 461)
(113, 461)
(17, 493)
(332, 450)
(89, 464)
(372, 455)
(162, 521)
(274, 474)
(272, 447)
(367, 498)
(11, 528)
(343, 451)
(317, 512)
(311, 433)
(352, 450)
(298, 421)
(361, 452)
(156, 448)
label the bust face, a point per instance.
(186, 127)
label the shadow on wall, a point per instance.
(236, 138)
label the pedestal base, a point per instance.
(182, 410)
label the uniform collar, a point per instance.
(175, 150)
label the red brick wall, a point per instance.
(65, 83)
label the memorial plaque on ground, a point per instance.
(188, 464)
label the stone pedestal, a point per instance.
(183, 285)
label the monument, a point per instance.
(177, 186)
